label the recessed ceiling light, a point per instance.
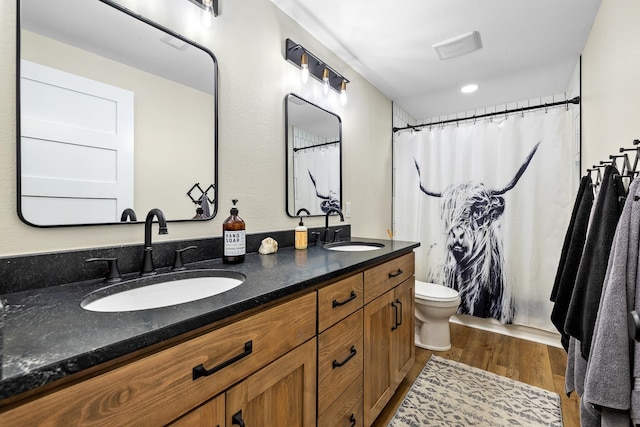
(469, 88)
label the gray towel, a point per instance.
(608, 380)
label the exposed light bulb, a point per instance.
(207, 13)
(304, 65)
(343, 93)
(325, 81)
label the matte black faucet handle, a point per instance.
(315, 235)
(113, 273)
(335, 234)
(177, 259)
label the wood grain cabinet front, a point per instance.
(338, 300)
(161, 387)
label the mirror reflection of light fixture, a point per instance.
(343, 93)
(311, 65)
(304, 65)
(325, 81)
(209, 10)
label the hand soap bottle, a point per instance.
(301, 235)
(233, 235)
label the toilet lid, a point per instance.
(435, 292)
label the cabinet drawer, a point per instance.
(340, 356)
(337, 301)
(346, 410)
(380, 279)
(159, 388)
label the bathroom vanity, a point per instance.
(329, 333)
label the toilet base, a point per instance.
(431, 347)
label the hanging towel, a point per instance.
(608, 380)
(585, 299)
(570, 257)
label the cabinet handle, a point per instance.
(337, 364)
(337, 303)
(201, 371)
(236, 419)
(399, 311)
(396, 274)
(395, 322)
(352, 418)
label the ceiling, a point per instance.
(529, 48)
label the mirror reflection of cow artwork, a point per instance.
(328, 201)
(475, 263)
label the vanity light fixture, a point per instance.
(311, 65)
(325, 81)
(209, 10)
(304, 66)
(343, 93)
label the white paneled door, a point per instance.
(76, 148)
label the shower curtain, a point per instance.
(489, 202)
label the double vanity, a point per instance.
(330, 332)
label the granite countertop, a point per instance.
(48, 335)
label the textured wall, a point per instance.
(610, 82)
(248, 41)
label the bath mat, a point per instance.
(449, 393)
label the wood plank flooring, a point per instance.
(532, 363)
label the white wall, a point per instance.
(611, 82)
(248, 40)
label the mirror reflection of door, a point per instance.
(314, 157)
(172, 117)
(76, 146)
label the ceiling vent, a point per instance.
(457, 46)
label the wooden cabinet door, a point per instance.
(378, 381)
(281, 394)
(210, 414)
(403, 350)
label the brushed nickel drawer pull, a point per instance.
(337, 364)
(337, 303)
(396, 274)
(201, 371)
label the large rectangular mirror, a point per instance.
(116, 114)
(314, 157)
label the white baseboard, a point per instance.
(517, 331)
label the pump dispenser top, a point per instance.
(233, 234)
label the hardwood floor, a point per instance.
(532, 363)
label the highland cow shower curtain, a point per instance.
(489, 202)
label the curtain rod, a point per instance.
(566, 102)
(295, 150)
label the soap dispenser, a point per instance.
(301, 237)
(233, 234)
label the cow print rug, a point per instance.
(449, 393)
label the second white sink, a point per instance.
(353, 246)
(162, 290)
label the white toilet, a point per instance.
(435, 304)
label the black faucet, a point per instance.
(128, 214)
(147, 260)
(326, 221)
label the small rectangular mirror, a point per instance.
(314, 157)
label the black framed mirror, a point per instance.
(314, 157)
(115, 114)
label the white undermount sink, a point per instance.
(353, 246)
(162, 290)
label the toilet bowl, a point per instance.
(435, 304)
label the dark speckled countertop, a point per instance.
(47, 335)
